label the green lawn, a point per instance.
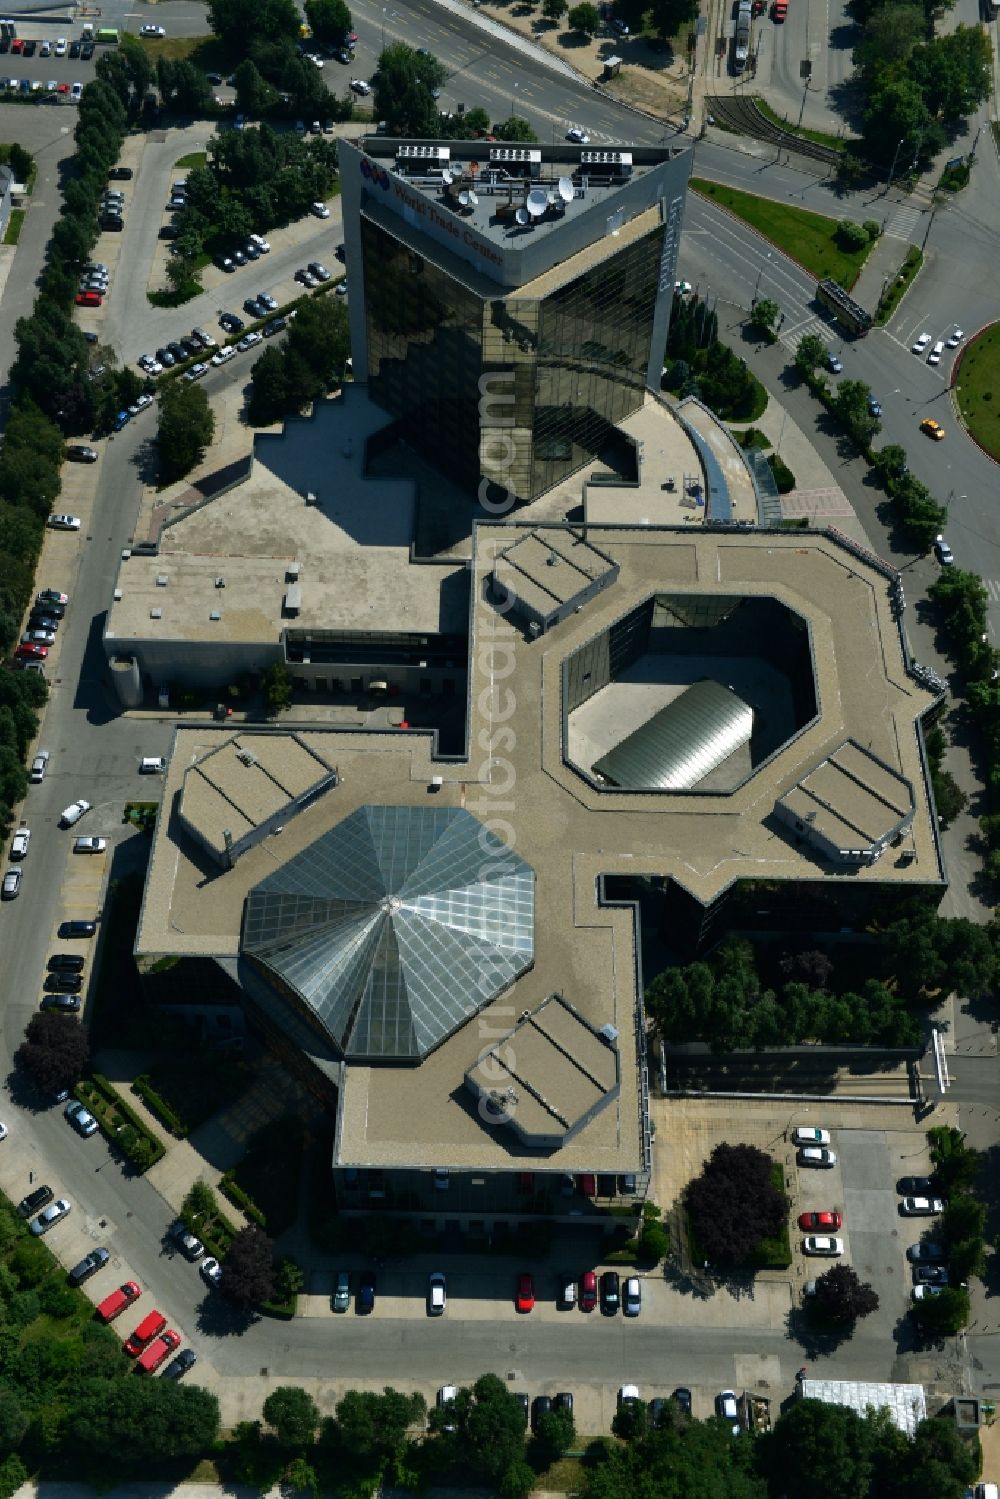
(192, 159)
(806, 237)
(819, 137)
(14, 226)
(205, 51)
(977, 389)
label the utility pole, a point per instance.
(895, 158)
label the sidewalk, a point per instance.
(880, 268)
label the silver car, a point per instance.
(50, 1215)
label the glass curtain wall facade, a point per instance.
(521, 391)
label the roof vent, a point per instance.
(220, 582)
(126, 553)
(162, 579)
(156, 613)
(215, 614)
(292, 572)
(609, 1033)
(246, 758)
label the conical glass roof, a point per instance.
(395, 927)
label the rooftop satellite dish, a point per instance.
(565, 189)
(522, 216)
(447, 179)
(473, 199)
(463, 198)
(536, 202)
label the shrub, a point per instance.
(57, 1299)
(143, 1087)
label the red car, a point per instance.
(149, 1328)
(588, 1291)
(152, 1356)
(31, 652)
(88, 299)
(525, 1293)
(822, 1221)
(118, 1301)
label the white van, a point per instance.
(987, 1491)
(152, 765)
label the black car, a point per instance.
(178, 353)
(540, 1406)
(74, 49)
(925, 1253)
(366, 1293)
(180, 1365)
(930, 1275)
(78, 452)
(112, 223)
(916, 1186)
(120, 174)
(50, 611)
(169, 231)
(28, 50)
(68, 962)
(231, 322)
(251, 252)
(63, 982)
(682, 1399)
(35, 1200)
(215, 79)
(77, 928)
(525, 1404)
(88, 1266)
(563, 1402)
(43, 622)
(340, 253)
(238, 257)
(68, 1004)
(86, 51)
(610, 1292)
(276, 325)
(192, 346)
(254, 308)
(166, 358)
(4, 43)
(658, 1413)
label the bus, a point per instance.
(849, 314)
(106, 36)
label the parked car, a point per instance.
(915, 1186)
(88, 1266)
(930, 1275)
(19, 843)
(66, 962)
(79, 452)
(210, 1270)
(249, 339)
(63, 523)
(610, 1292)
(682, 1399)
(89, 845)
(540, 1406)
(834, 364)
(231, 323)
(160, 1349)
(67, 1004)
(525, 1297)
(276, 325)
(10, 889)
(822, 1244)
(342, 1292)
(726, 1409)
(437, 1294)
(809, 1135)
(73, 813)
(152, 1324)
(190, 1247)
(567, 1292)
(818, 1156)
(77, 928)
(51, 596)
(108, 1309)
(588, 1291)
(925, 1253)
(50, 1215)
(34, 1200)
(81, 1119)
(955, 339)
(921, 343)
(924, 1293)
(63, 983)
(934, 357)
(39, 765)
(319, 270)
(564, 1402)
(31, 653)
(943, 552)
(181, 1364)
(820, 1220)
(632, 1297)
(922, 1207)
(445, 1395)
(366, 1293)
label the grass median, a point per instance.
(977, 390)
(809, 238)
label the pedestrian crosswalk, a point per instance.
(791, 335)
(992, 586)
(903, 222)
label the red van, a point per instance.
(88, 299)
(152, 1357)
(151, 1325)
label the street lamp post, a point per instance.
(760, 273)
(513, 101)
(895, 158)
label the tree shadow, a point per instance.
(816, 1338)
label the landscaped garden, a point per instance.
(977, 389)
(812, 239)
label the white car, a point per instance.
(632, 1296)
(196, 372)
(11, 887)
(50, 1215)
(822, 1244)
(578, 135)
(19, 843)
(921, 343)
(89, 845)
(806, 1135)
(61, 46)
(934, 357)
(150, 30)
(74, 812)
(360, 86)
(955, 339)
(39, 765)
(63, 523)
(922, 1207)
(437, 1294)
(249, 339)
(38, 637)
(320, 210)
(315, 59)
(150, 365)
(816, 1155)
(76, 92)
(924, 1293)
(725, 1406)
(210, 1270)
(224, 356)
(81, 1119)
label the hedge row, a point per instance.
(132, 1138)
(229, 1187)
(144, 1089)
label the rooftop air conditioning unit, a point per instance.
(162, 579)
(215, 614)
(609, 1033)
(156, 613)
(220, 582)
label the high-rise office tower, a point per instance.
(509, 304)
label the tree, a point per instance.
(952, 72)
(554, 10)
(268, 400)
(957, 1165)
(584, 18)
(515, 128)
(185, 428)
(13, 1420)
(734, 1205)
(945, 1313)
(329, 20)
(841, 1297)
(254, 95)
(375, 1425)
(55, 1051)
(301, 1475)
(293, 1413)
(653, 1242)
(964, 1218)
(890, 462)
(249, 1277)
(851, 406)
(149, 1419)
(404, 90)
(241, 23)
(277, 688)
(764, 314)
(813, 1437)
(556, 1434)
(851, 235)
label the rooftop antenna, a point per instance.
(565, 189)
(536, 202)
